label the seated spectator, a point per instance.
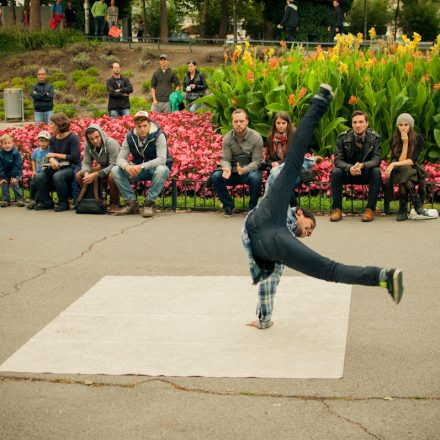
(63, 156)
(357, 160)
(242, 154)
(162, 85)
(42, 94)
(104, 151)
(147, 145)
(10, 171)
(405, 170)
(37, 158)
(195, 86)
(119, 89)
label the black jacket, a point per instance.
(200, 83)
(42, 94)
(118, 100)
(290, 17)
(345, 145)
(338, 19)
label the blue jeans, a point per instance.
(43, 117)
(15, 188)
(272, 242)
(253, 179)
(193, 107)
(99, 26)
(60, 179)
(157, 175)
(121, 112)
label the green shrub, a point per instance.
(83, 102)
(128, 74)
(420, 17)
(4, 86)
(2, 115)
(68, 109)
(17, 82)
(60, 85)
(28, 104)
(142, 64)
(77, 74)
(97, 90)
(181, 72)
(2, 104)
(76, 48)
(379, 14)
(82, 60)
(92, 71)
(138, 102)
(30, 81)
(84, 83)
(101, 100)
(28, 70)
(56, 76)
(98, 113)
(109, 59)
(146, 86)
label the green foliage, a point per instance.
(152, 25)
(379, 14)
(60, 85)
(181, 71)
(18, 82)
(146, 86)
(422, 17)
(97, 112)
(128, 74)
(97, 90)
(77, 74)
(4, 86)
(109, 59)
(138, 103)
(56, 76)
(85, 82)
(92, 71)
(83, 102)
(68, 109)
(82, 60)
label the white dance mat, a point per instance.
(193, 326)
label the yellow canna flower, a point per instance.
(343, 68)
(334, 57)
(359, 38)
(372, 33)
(246, 43)
(271, 52)
(417, 38)
(405, 38)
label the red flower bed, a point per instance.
(193, 143)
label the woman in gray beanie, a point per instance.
(405, 169)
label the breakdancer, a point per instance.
(271, 229)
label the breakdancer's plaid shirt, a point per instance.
(267, 281)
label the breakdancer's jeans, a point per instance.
(266, 224)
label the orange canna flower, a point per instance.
(290, 59)
(358, 64)
(409, 68)
(353, 100)
(291, 100)
(265, 72)
(283, 44)
(436, 87)
(302, 92)
(273, 63)
(250, 77)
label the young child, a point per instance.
(37, 158)
(10, 171)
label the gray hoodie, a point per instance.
(106, 155)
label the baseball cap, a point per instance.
(164, 56)
(141, 115)
(44, 134)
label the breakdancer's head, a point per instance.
(240, 122)
(359, 122)
(305, 222)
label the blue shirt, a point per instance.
(37, 156)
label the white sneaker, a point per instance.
(430, 214)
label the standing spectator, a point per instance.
(162, 86)
(103, 150)
(64, 155)
(37, 159)
(290, 21)
(151, 160)
(57, 13)
(242, 154)
(337, 24)
(42, 94)
(71, 16)
(119, 89)
(140, 31)
(357, 160)
(10, 171)
(195, 86)
(405, 169)
(112, 14)
(99, 12)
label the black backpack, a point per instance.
(89, 200)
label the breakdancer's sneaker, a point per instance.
(325, 92)
(394, 284)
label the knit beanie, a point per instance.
(405, 117)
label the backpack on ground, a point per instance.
(89, 200)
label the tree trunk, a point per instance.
(203, 19)
(163, 21)
(12, 5)
(224, 21)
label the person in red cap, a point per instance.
(151, 160)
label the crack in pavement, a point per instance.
(179, 387)
(353, 422)
(17, 286)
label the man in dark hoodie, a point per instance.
(42, 94)
(151, 160)
(290, 20)
(336, 27)
(104, 151)
(119, 89)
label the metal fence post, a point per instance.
(174, 194)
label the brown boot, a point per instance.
(130, 208)
(113, 209)
(148, 208)
(336, 215)
(368, 215)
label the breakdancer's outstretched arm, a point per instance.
(269, 232)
